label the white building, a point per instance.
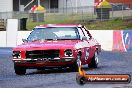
(6, 5)
(10, 8)
(25, 5)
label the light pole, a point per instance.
(66, 6)
(19, 5)
(76, 6)
(38, 2)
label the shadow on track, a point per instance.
(60, 70)
(50, 71)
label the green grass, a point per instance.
(115, 24)
(106, 25)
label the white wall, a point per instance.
(11, 32)
(85, 2)
(6, 5)
(76, 4)
(123, 13)
(104, 37)
(22, 35)
(2, 38)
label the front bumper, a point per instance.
(42, 62)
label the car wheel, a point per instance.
(19, 70)
(76, 64)
(94, 62)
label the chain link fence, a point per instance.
(70, 15)
(79, 11)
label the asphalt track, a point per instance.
(109, 63)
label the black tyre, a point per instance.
(19, 70)
(76, 64)
(94, 62)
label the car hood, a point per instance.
(45, 45)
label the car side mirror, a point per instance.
(84, 38)
(24, 40)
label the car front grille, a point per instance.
(42, 54)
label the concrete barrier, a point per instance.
(119, 40)
(11, 32)
(122, 40)
(3, 39)
(104, 37)
(22, 35)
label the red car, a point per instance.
(56, 45)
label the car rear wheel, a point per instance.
(94, 62)
(19, 70)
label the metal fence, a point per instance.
(71, 15)
(82, 11)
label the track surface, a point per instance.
(109, 62)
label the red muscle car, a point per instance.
(56, 45)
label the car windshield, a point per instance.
(54, 33)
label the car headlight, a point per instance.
(16, 54)
(68, 52)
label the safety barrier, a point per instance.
(116, 40)
(105, 38)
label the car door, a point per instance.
(90, 50)
(83, 45)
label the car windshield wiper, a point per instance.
(35, 40)
(41, 39)
(67, 39)
(50, 39)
